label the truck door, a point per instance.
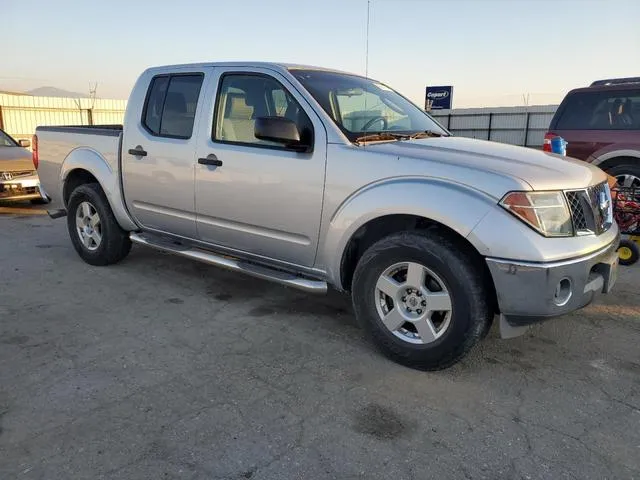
(158, 152)
(253, 195)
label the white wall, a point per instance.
(21, 114)
(499, 124)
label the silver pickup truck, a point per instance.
(312, 177)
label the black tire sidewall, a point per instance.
(624, 168)
(635, 252)
(113, 244)
(469, 314)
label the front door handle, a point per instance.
(210, 160)
(137, 152)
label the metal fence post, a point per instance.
(449, 121)
(526, 129)
(1, 119)
(489, 128)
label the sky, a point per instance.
(494, 52)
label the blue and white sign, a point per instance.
(439, 98)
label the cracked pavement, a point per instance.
(160, 367)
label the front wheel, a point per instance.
(93, 229)
(423, 299)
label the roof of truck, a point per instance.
(271, 65)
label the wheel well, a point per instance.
(377, 229)
(612, 162)
(75, 178)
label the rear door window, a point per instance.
(170, 109)
(603, 110)
(155, 101)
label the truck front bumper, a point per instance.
(532, 292)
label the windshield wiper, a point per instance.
(383, 136)
(388, 136)
(426, 134)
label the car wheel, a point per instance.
(422, 298)
(627, 175)
(94, 231)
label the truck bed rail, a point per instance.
(110, 130)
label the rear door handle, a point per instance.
(210, 160)
(137, 152)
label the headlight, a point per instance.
(547, 212)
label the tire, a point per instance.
(114, 243)
(629, 171)
(628, 252)
(461, 278)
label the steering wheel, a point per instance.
(366, 126)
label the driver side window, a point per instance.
(244, 97)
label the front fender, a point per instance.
(85, 158)
(459, 207)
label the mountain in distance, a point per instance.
(54, 92)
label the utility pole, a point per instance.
(366, 55)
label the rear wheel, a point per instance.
(627, 175)
(93, 229)
(423, 300)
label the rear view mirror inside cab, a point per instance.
(349, 92)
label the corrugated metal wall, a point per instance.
(523, 126)
(21, 114)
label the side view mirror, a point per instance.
(24, 143)
(280, 130)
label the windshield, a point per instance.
(361, 107)
(6, 140)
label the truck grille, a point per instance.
(591, 209)
(13, 175)
(577, 212)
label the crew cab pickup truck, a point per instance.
(315, 178)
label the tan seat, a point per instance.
(237, 124)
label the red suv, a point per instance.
(601, 124)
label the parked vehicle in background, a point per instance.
(310, 177)
(18, 175)
(602, 125)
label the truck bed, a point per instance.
(57, 145)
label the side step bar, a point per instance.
(231, 263)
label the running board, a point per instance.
(232, 263)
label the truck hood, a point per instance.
(15, 159)
(540, 170)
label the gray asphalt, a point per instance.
(162, 368)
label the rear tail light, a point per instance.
(546, 144)
(34, 151)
